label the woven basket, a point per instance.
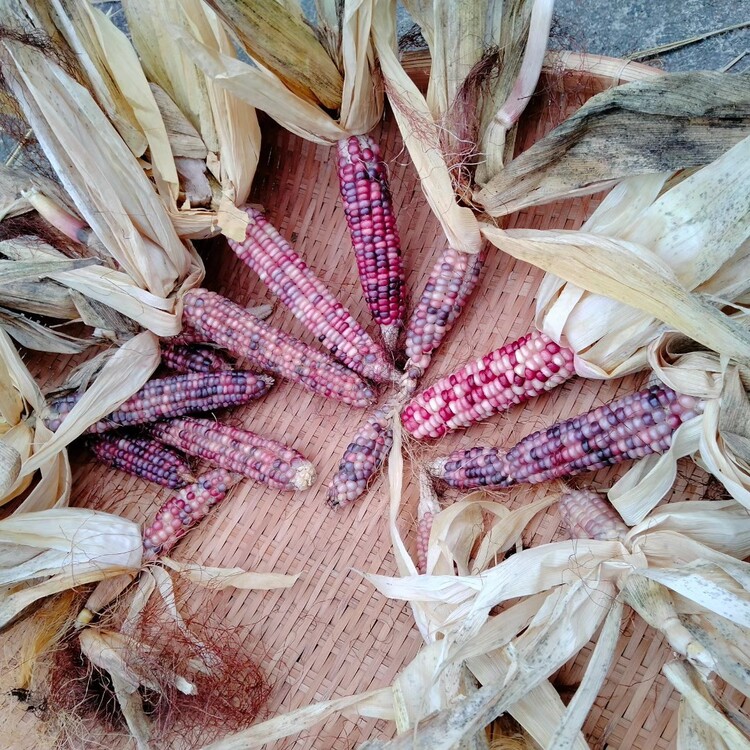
(332, 635)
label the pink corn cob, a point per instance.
(189, 336)
(428, 508)
(185, 509)
(291, 279)
(627, 428)
(193, 359)
(513, 374)
(171, 397)
(372, 224)
(587, 515)
(268, 348)
(141, 457)
(446, 292)
(239, 451)
(362, 458)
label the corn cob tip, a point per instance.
(85, 616)
(304, 476)
(390, 336)
(436, 468)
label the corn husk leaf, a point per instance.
(694, 117)
(43, 297)
(221, 578)
(68, 547)
(36, 336)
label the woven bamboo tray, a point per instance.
(332, 635)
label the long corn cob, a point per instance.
(587, 515)
(268, 348)
(192, 359)
(363, 180)
(627, 428)
(362, 458)
(171, 397)
(141, 457)
(185, 509)
(510, 375)
(189, 336)
(446, 292)
(293, 281)
(239, 451)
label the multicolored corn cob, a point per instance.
(363, 180)
(184, 510)
(588, 515)
(627, 428)
(362, 458)
(243, 335)
(173, 396)
(189, 336)
(513, 374)
(192, 358)
(446, 292)
(293, 281)
(145, 458)
(427, 509)
(239, 451)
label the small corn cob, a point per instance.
(631, 427)
(446, 292)
(362, 458)
(268, 348)
(293, 281)
(171, 397)
(510, 375)
(428, 508)
(141, 457)
(185, 509)
(239, 451)
(192, 359)
(587, 515)
(372, 224)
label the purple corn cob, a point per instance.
(243, 335)
(239, 451)
(192, 359)
(446, 292)
(293, 281)
(587, 515)
(510, 375)
(631, 427)
(184, 510)
(362, 458)
(141, 457)
(372, 224)
(173, 396)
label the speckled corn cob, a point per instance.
(372, 223)
(510, 375)
(588, 515)
(268, 348)
(628, 428)
(185, 509)
(292, 280)
(171, 397)
(240, 451)
(193, 359)
(145, 458)
(446, 292)
(362, 458)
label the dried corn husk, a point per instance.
(693, 117)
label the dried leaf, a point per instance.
(33, 335)
(221, 578)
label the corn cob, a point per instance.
(185, 509)
(627, 428)
(238, 451)
(171, 397)
(362, 458)
(141, 457)
(268, 348)
(188, 336)
(192, 359)
(587, 515)
(289, 277)
(510, 375)
(449, 286)
(372, 224)
(427, 509)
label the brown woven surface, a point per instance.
(331, 635)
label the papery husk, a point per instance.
(693, 117)
(16, 181)
(638, 264)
